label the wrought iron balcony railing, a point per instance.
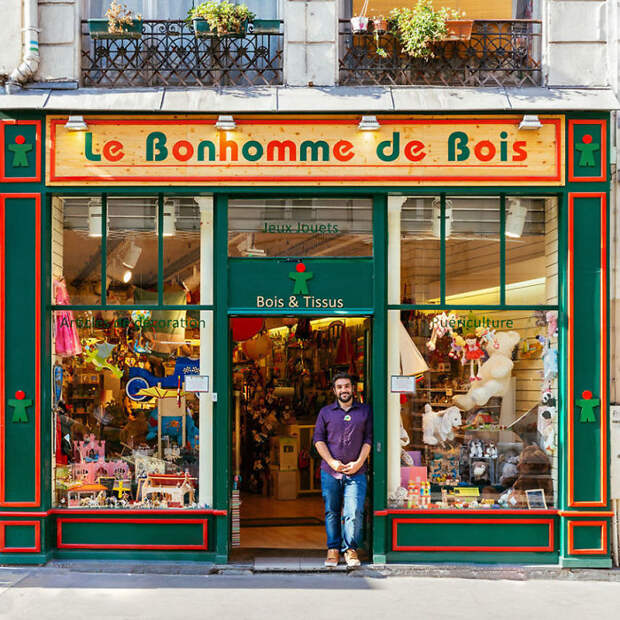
(499, 53)
(169, 54)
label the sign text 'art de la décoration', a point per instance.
(306, 150)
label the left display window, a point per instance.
(126, 431)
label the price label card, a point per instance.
(196, 383)
(403, 384)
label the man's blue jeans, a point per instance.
(344, 509)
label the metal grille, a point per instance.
(499, 53)
(169, 54)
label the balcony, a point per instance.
(168, 53)
(499, 53)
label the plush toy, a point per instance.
(440, 326)
(457, 348)
(405, 457)
(475, 449)
(480, 472)
(438, 425)
(494, 374)
(509, 470)
(552, 323)
(534, 473)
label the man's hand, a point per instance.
(336, 465)
(350, 469)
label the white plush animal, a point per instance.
(494, 374)
(438, 425)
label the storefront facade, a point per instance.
(440, 224)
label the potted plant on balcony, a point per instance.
(359, 23)
(119, 23)
(421, 26)
(459, 29)
(264, 26)
(220, 19)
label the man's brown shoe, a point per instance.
(333, 555)
(350, 556)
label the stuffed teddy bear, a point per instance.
(494, 374)
(438, 425)
(405, 457)
(510, 471)
(534, 473)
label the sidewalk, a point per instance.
(288, 565)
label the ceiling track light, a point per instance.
(95, 213)
(131, 255)
(170, 218)
(369, 123)
(436, 218)
(515, 218)
(225, 122)
(76, 122)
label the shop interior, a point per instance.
(282, 370)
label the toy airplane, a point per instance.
(98, 357)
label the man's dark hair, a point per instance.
(341, 375)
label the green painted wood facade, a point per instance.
(575, 534)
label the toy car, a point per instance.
(141, 379)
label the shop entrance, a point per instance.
(282, 369)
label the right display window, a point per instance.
(480, 431)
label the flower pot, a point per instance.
(265, 26)
(380, 25)
(203, 29)
(98, 29)
(359, 24)
(459, 29)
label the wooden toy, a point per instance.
(173, 487)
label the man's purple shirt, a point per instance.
(344, 438)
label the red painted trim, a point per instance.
(572, 550)
(552, 179)
(397, 547)
(202, 547)
(456, 511)
(571, 151)
(586, 513)
(37, 361)
(131, 511)
(37, 148)
(34, 515)
(37, 537)
(602, 502)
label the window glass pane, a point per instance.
(76, 250)
(132, 249)
(531, 251)
(420, 250)
(482, 427)
(122, 438)
(472, 250)
(182, 248)
(300, 227)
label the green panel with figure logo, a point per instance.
(312, 285)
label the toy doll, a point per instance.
(473, 353)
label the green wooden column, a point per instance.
(24, 427)
(584, 500)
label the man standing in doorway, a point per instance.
(343, 438)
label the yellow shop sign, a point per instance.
(411, 150)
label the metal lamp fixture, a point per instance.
(76, 123)
(225, 122)
(515, 218)
(530, 121)
(369, 123)
(192, 282)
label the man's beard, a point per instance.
(345, 398)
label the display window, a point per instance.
(300, 227)
(479, 430)
(127, 418)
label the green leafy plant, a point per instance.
(418, 27)
(223, 17)
(119, 17)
